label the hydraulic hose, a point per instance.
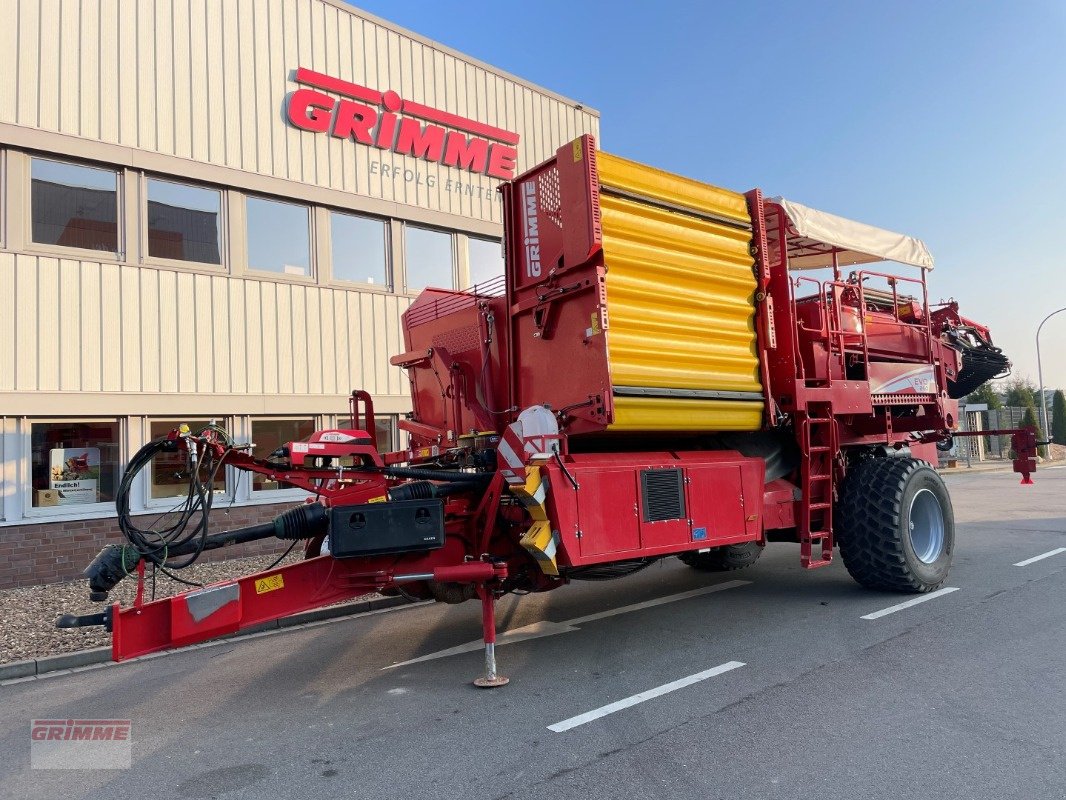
(115, 561)
(424, 490)
(159, 545)
(436, 474)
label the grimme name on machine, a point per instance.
(655, 375)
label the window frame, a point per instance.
(156, 504)
(498, 244)
(451, 234)
(394, 425)
(289, 493)
(389, 287)
(143, 177)
(32, 513)
(79, 253)
(251, 271)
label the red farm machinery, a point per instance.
(658, 373)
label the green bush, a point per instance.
(986, 394)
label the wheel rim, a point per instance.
(927, 526)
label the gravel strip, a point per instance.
(29, 613)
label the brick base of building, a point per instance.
(50, 552)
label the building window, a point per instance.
(73, 205)
(184, 222)
(385, 431)
(427, 259)
(358, 248)
(485, 259)
(270, 434)
(279, 237)
(74, 463)
(170, 471)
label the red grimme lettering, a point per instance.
(310, 110)
(354, 119)
(469, 154)
(420, 141)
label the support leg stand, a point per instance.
(490, 679)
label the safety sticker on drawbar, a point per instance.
(270, 583)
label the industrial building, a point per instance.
(218, 210)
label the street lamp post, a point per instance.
(1040, 371)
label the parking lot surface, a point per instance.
(771, 682)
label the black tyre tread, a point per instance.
(871, 501)
(729, 558)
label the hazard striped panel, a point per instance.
(511, 453)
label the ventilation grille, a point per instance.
(550, 197)
(663, 492)
(458, 340)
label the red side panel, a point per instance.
(580, 199)
(722, 512)
(717, 496)
(607, 512)
(556, 290)
(213, 611)
(456, 346)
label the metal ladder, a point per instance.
(818, 440)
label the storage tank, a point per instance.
(630, 292)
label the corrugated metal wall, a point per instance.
(90, 327)
(207, 80)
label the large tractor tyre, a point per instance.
(895, 525)
(723, 559)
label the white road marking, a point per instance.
(650, 694)
(1041, 557)
(907, 604)
(540, 629)
(534, 631)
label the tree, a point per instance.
(1058, 418)
(986, 394)
(1020, 393)
(1029, 420)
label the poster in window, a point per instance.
(75, 474)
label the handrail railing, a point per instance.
(827, 299)
(892, 280)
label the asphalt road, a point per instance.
(959, 696)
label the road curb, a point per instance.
(32, 667)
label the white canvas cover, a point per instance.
(854, 242)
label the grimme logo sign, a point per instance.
(531, 239)
(80, 744)
(385, 120)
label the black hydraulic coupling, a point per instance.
(111, 565)
(87, 620)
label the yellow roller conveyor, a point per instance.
(679, 301)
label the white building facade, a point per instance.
(218, 210)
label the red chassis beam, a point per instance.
(231, 606)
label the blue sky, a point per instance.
(946, 121)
